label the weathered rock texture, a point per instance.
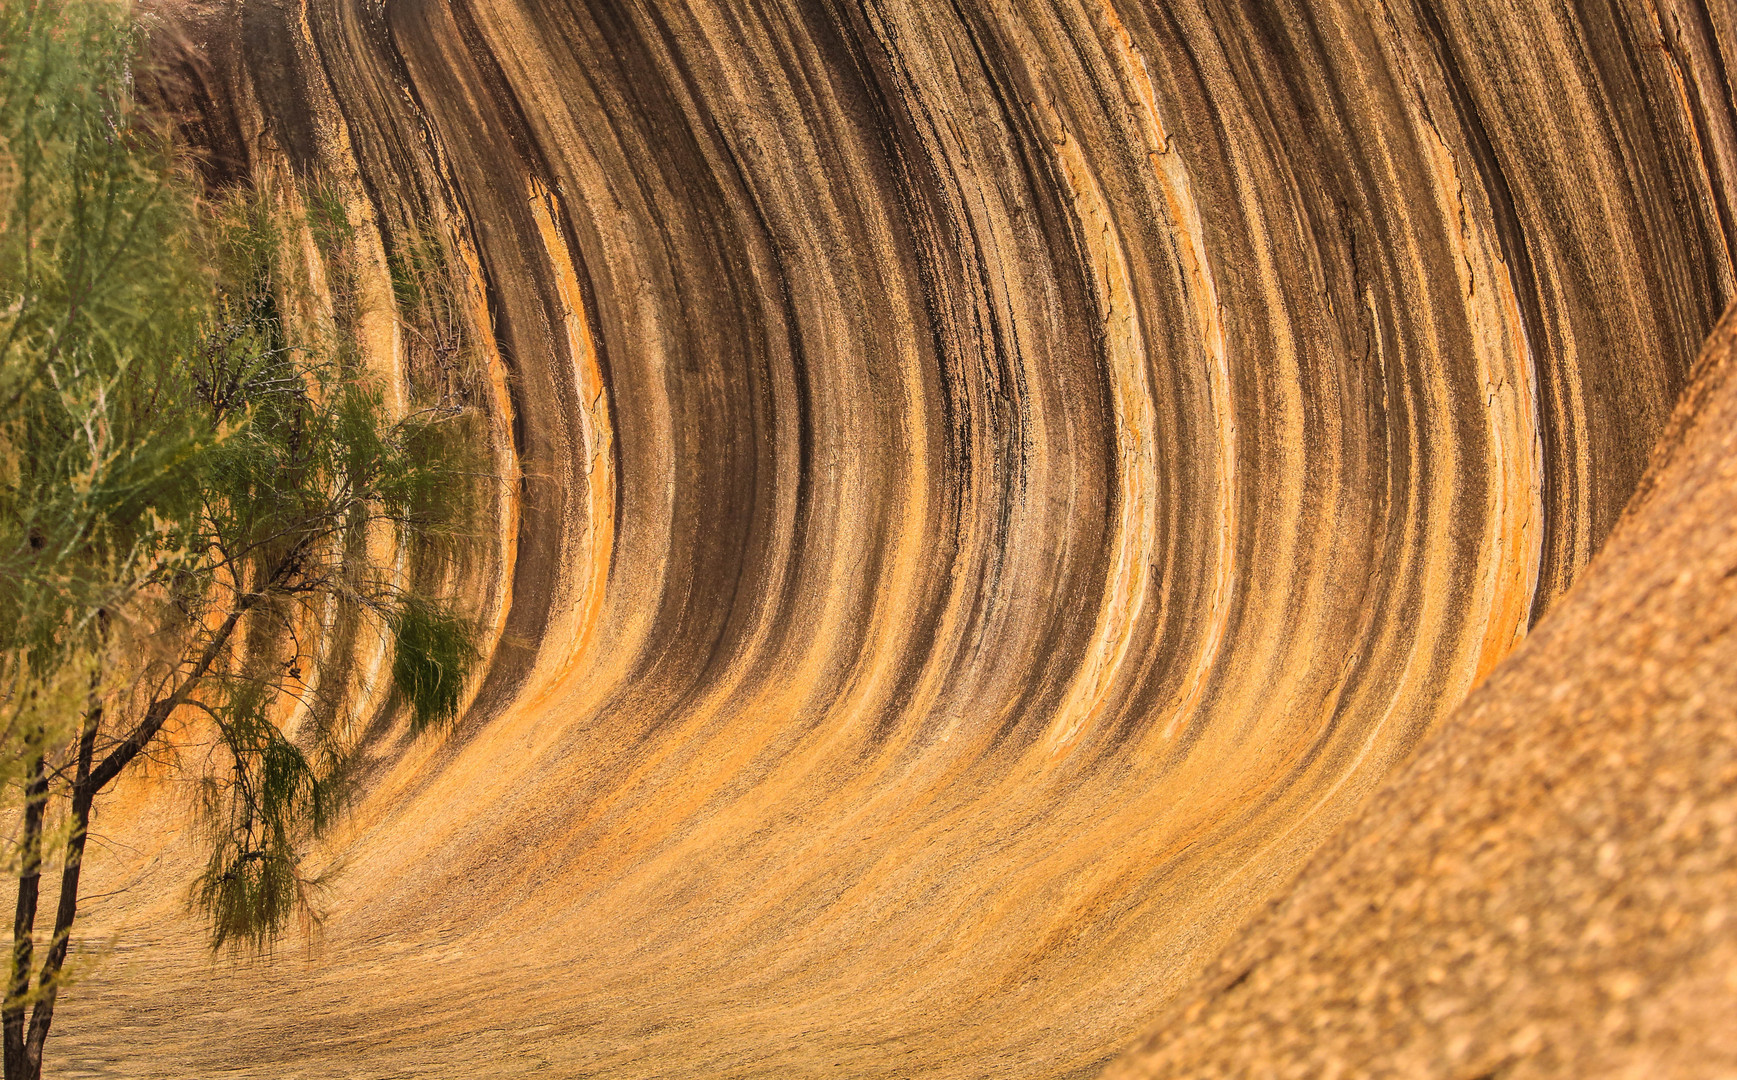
(1550, 888)
(1003, 481)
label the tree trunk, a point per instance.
(90, 781)
(24, 921)
(48, 982)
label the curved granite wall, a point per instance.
(995, 484)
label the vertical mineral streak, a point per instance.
(988, 488)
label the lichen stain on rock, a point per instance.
(1006, 504)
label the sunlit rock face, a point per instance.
(993, 487)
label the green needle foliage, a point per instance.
(434, 652)
(309, 477)
(209, 518)
(98, 297)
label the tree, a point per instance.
(204, 516)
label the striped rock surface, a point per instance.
(997, 485)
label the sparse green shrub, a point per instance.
(200, 504)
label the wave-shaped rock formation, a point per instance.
(996, 486)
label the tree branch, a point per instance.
(160, 710)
